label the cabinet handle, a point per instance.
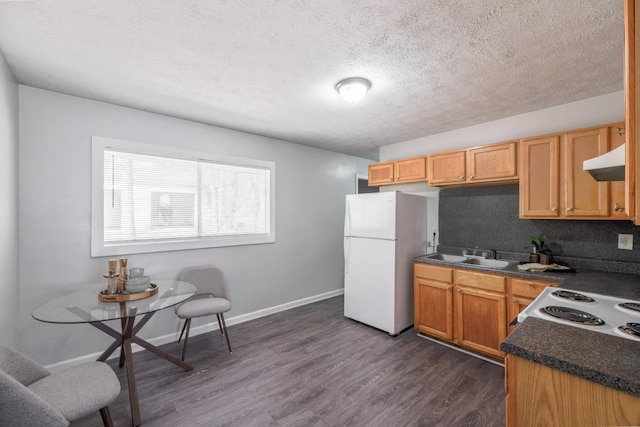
(554, 209)
(461, 177)
(472, 176)
(569, 209)
(459, 290)
(531, 285)
(618, 207)
(515, 301)
(620, 131)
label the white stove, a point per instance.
(595, 312)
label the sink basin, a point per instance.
(448, 258)
(492, 263)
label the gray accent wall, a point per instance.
(487, 217)
(305, 262)
(9, 261)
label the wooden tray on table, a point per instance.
(151, 291)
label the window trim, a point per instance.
(98, 246)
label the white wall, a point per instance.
(55, 185)
(585, 113)
(9, 272)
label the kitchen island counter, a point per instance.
(604, 359)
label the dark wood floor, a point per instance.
(310, 366)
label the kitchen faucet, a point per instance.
(484, 253)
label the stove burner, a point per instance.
(574, 296)
(631, 329)
(572, 315)
(634, 306)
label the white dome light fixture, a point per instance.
(353, 89)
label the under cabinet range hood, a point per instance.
(607, 167)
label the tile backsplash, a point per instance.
(487, 217)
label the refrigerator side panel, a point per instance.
(369, 282)
(371, 215)
(412, 242)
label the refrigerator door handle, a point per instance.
(347, 247)
(347, 220)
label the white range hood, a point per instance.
(607, 167)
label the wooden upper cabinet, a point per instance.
(631, 58)
(410, 170)
(583, 195)
(539, 177)
(447, 168)
(381, 173)
(619, 201)
(553, 184)
(492, 163)
(398, 171)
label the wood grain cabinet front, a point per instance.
(480, 316)
(433, 300)
(398, 172)
(486, 164)
(553, 184)
(538, 395)
(521, 293)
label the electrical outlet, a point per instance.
(625, 241)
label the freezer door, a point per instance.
(369, 285)
(371, 215)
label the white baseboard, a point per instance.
(212, 326)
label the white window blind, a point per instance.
(177, 199)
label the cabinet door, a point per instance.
(583, 195)
(480, 320)
(409, 170)
(516, 305)
(434, 308)
(446, 168)
(617, 201)
(381, 173)
(492, 163)
(539, 177)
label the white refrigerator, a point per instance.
(383, 232)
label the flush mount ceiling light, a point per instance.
(353, 89)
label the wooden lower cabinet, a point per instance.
(480, 316)
(464, 307)
(521, 293)
(541, 396)
(433, 301)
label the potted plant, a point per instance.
(540, 253)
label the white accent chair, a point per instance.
(212, 297)
(32, 396)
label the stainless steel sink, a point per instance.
(448, 258)
(492, 263)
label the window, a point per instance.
(148, 198)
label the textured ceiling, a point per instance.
(270, 66)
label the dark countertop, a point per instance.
(604, 359)
(620, 285)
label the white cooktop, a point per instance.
(603, 307)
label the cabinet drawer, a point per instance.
(484, 281)
(441, 274)
(528, 288)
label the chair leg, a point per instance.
(223, 326)
(187, 325)
(220, 324)
(106, 417)
(183, 328)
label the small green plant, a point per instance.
(538, 243)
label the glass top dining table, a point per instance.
(85, 307)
